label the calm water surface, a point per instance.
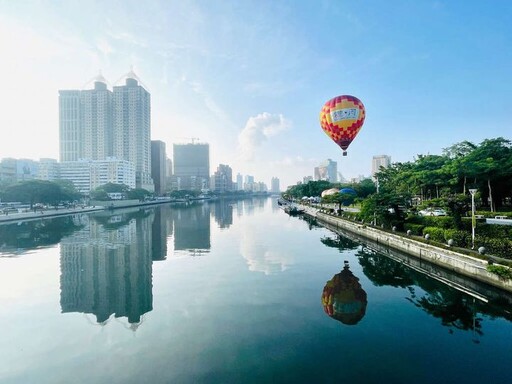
(234, 292)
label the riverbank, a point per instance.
(46, 213)
(457, 262)
(94, 207)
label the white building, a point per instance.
(239, 182)
(380, 161)
(327, 170)
(274, 185)
(96, 124)
(49, 169)
(88, 175)
(132, 128)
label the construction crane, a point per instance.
(192, 139)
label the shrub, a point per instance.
(495, 231)
(436, 234)
(503, 273)
(497, 247)
(461, 238)
(432, 221)
(416, 229)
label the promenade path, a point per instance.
(39, 214)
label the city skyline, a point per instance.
(250, 80)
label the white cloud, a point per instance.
(294, 161)
(258, 129)
(104, 47)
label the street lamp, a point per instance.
(473, 218)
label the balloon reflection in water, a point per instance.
(343, 298)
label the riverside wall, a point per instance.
(453, 261)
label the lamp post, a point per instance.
(473, 219)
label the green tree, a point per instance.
(138, 194)
(35, 191)
(491, 162)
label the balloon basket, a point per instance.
(344, 153)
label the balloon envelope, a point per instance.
(341, 118)
(349, 191)
(328, 192)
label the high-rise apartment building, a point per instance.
(222, 179)
(96, 121)
(380, 161)
(239, 182)
(97, 124)
(327, 170)
(191, 166)
(249, 183)
(274, 185)
(159, 166)
(70, 127)
(132, 128)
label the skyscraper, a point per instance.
(274, 185)
(132, 128)
(327, 170)
(70, 128)
(96, 121)
(159, 166)
(191, 166)
(222, 179)
(97, 124)
(380, 161)
(239, 182)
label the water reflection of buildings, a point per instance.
(162, 227)
(106, 267)
(223, 213)
(192, 228)
(343, 298)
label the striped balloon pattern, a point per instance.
(341, 119)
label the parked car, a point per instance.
(432, 212)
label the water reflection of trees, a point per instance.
(311, 221)
(455, 309)
(340, 242)
(120, 218)
(27, 235)
(384, 271)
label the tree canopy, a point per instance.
(40, 191)
(486, 167)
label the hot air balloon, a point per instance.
(341, 119)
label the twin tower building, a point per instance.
(99, 124)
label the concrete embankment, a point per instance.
(46, 213)
(94, 207)
(450, 260)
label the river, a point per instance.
(231, 292)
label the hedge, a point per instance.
(436, 234)
(432, 221)
(416, 229)
(461, 238)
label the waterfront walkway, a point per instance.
(44, 213)
(469, 266)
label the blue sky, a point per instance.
(250, 77)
